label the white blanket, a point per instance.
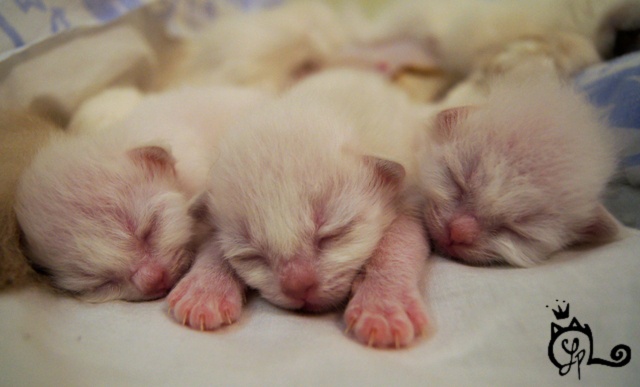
(490, 326)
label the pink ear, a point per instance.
(447, 120)
(388, 172)
(199, 207)
(602, 228)
(154, 159)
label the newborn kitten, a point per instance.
(518, 176)
(105, 212)
(275, 48)
(463, 33)
(310, 198)
(269, 49)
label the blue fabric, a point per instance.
(615, 85)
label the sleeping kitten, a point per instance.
(269, 49)
(105, 212)
(519, 175)
(463, 33)
(310, 198)
(275, 48)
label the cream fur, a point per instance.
(269, 49)
(462, 32)
(106, 212)
(311, 204)
(529, 163)
(291, 184)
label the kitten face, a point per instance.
(297, 215)
(514, 183)
(105, 225)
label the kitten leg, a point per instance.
(561, 53)
(387, 308)
(209, 295)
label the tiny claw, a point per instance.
(169, 311)
(372, 338)
(201, 324)
(184, 320)
(349, 327)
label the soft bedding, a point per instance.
(489, 326)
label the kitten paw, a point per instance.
(203, 303)
(381, 319)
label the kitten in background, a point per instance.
(311, 201)
(464, 33)
(275, 48)
(105, 212)
(519, 174)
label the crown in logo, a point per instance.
(560, 313)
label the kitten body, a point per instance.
(271, 48)
(464, 33)
(519, 174)
(310, 196)
(105, 212)
(275, 48)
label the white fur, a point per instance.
(462, 32)
(292, 191)
(529, 163)
(106, 212)
(105, 109)
(269, 49)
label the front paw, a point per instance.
(385, 319)
(203, 303)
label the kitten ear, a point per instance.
(448, 119)
(199, 208)
(154, 159)
(388, 172)
(603, 227)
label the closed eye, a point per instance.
(459, 184)
(146, 233)
(250, 259)
(327, 239)
(106, 286)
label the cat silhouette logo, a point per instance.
(572, 345)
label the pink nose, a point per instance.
(298, 279)
(151, 279)
(463, 230)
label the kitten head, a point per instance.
(519, 177)
(105, 223)
(297, 214)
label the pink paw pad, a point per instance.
(385, 321)
(203, 304)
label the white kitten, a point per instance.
(106, 212)
(271, 48)
(304, 203)
(463, 33)
(519, 175)
(275, 48)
